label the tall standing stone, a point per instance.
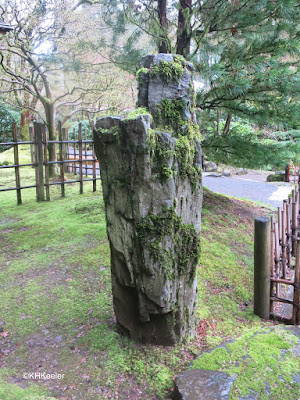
(152, 189)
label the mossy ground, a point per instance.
(56, 305)
(263, 363)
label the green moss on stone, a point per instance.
(156, 231)
(168, 70)
(135, 113)
(141, 71)
(259, 359)
(115, 130)
(160, 155)
(169, 114)
(185, 153)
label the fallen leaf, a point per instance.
(90, 311)
(4, 334)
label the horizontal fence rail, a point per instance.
(75, 157)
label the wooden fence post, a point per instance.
(16, 161)
(61, 156)
(32, 146)
(46, 163)
(80, 158)
(94, 160)
(65, 147)
(296, 297)
(262, 262)
(39, 172)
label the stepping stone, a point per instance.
(199, 384)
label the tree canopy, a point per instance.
(246, 52)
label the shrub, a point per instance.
(7, 117)
(85, 126)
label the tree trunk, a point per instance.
(227, 124)
(162, 11)
(218, 122)
(184, 28)
(24, 125)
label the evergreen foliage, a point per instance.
(246, 52)
(242, 147)
(85, 126)
(7, 117)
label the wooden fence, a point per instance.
(75, 156)
(285, 253)
(277, 260)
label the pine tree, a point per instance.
(246, 52)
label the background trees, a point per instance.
(246, 54)
(58, 60)
(49, 65)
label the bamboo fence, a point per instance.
(79, 162)
(285, 254)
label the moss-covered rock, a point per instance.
(152, 187)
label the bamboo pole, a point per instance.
(61, 156)
(283, 248)
(65, 147)
(85, 154)
(39, 174)
(272, 264)
(68, 151)
(80, 159)
(75, 156)
(46, 163)
(32, 146)
(296, 298)
(16, 161)
(277, 257)
(279, 222)
(94, 163)
(294, 227)
(288, 235)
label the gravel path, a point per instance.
(268, 193)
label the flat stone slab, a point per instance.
(199, 384)
(279, 342)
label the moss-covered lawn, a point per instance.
(56, 307)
